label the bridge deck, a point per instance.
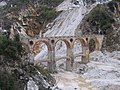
(63, 37)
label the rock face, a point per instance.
(104, 19)
(103, 71)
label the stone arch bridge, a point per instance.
(69, 41)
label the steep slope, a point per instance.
(105, 20)
(30, 15)
(96, 75)
(66, 23)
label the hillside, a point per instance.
(16, 72)
(31, 15)
(105, 20)
(31, 22)
(99, 73)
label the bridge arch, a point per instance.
(77, 46)
(44, 56)
(61, 43)
(94, 44)
(36, 46)
(61, 52)
(81, 41)
(67, 42)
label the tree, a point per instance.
(10, 58)
(10, 50)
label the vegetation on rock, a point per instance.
(104, 19)
(45, 10)
(15, 69)
(10, 58)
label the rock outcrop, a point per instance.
(104, 19)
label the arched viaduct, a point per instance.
(69, 41)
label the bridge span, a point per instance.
(50, 42)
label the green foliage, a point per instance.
(12, 67)
(116, 0)
(112, 5)
(100, 18)
(92, 45)
(10, 57)
(101, 21)
(46, 11)
(46, 14)
(50, 3)
(43, 71)
(46, 74)
(8, 82)
(10, 50)
(13, 6)
(55, 2)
